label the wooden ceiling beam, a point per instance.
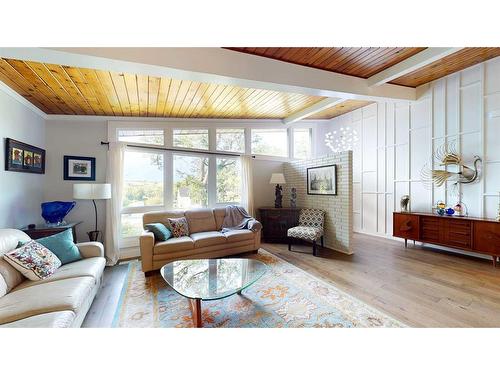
(315, 108)
(415, 62)
(216, 65)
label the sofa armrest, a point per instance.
(254, 225)
(147, 243)
(91, 249)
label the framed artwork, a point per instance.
(22, 157)
(322, 180)
(80, 168)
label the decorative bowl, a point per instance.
(55, 212)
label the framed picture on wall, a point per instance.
(79, 168)
(322, 180)
(22, 157)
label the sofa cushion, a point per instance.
(62, 245)
(10, 275)
(239, 235)
(203, 239)
(92, 267)
(179, 227)
(201, 220)
(9, 238)
(174, 244)
(59, 319)
(61, 295)
(219, 214)
(160, 231)
(33, 260)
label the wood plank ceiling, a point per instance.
(340, 109)
(355, 61)
(57, 89)
(365, 62)
(447, 65)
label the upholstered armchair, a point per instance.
(310, 227)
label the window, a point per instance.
(228, 180)
(273, 142)
(190, 181)
(301, 143)
(151, 137)
(143, 179)
(131, 225)
(191, 138)
(231, 140)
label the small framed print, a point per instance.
(80, 168)
(22, 157)
(322, 180)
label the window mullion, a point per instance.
(168, 186)
(212, 180)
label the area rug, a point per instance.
(285, 296)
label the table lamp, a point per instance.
(92, 191)
(278, 178)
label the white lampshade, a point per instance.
(92, 191)
(277, 178)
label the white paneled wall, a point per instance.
(397, 140)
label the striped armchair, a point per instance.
(310, 227)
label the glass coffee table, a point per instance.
(210, 279)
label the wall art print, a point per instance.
(80, 168)
(22, 157)
(322, 180)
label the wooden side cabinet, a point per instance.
(465, 233)
(276, 222)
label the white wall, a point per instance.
(397, 139)
(21, 193)
(76, 138)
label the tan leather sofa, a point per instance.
(62, 300)
(205, 239)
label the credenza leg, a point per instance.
(494, 261)
(406, 242)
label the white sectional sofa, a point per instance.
(62, 300)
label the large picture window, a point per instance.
(143, 179)
(190, 181)
(228, 180)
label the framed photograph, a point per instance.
(22, 157)
(322, 180)
(80, 168)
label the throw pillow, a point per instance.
(62, 245)
(179, 227)
(161, 232)
(33, 260)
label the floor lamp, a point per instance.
(93, 192)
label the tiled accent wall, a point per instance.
(338, 218)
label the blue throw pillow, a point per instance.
(161, 232)
(62, 245)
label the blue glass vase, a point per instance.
(55, 212)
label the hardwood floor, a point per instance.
(420, 286)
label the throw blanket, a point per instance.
(238, 218)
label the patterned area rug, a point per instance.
(285, 296)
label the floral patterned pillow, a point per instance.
(33, 260)
(179, 227)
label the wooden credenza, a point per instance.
(465, 233)
(276, 222)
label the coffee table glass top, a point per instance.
(211, 279)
